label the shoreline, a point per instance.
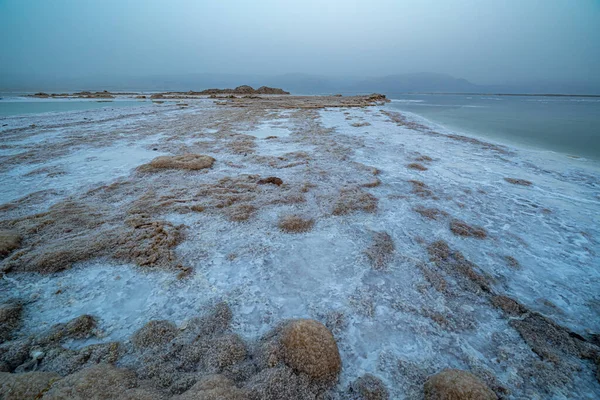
(157, 97)
(544, 152)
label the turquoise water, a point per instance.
(10, 107)
(569, 125)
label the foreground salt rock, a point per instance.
(154, 333)
(9, 241)
(193, 162)
(30, 385)
(201, 359)
(309, 347)
(454, 384)
(369, 387)
(215, 387)
(102, 381)
(10, 319)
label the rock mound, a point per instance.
(101, 381)
(308, 347)
(241, 90)
(9, 241)
(244, 89)
(454, 384)
(272, 180)
(354, 199)
(281, 383)
(215, 387)
(154, 333)
(80, 327)
(27, 386)
(369, 387)
(10, 319)
(193, 162)
(270, 90)
(295, 224)
(461, 228)
(381, 251)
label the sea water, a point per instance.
(564, 124)
(11, 105)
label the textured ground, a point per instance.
(419, 248)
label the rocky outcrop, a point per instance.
(270, 90)
(456, 384)
(10, 319)
(307, 347)
(9, 241)
(193, 162)
(369, 387)
(240, 90)
(97, 95)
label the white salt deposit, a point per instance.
(265, 275)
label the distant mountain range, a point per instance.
(295, 83)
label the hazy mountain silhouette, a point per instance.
(295, 83)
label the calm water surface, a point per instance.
(10, 106)
(569, 125)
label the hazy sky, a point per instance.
(485, 41)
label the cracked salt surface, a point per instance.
(266, 275)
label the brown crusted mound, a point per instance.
(508, 305)
(9, 241)
(102, 381)
(354, 199)
(360, 124)
(226, 350)
(431, 213)
(421, 189)
(149, 243)
(240, 212)
(454, 384)
(309, 347)
(27, 386)
(369, 387)
(516, 181)
(547, 339)
(512, 262)
(272, 180)
(417, 166)
(193, 162)
(78, 328)
(10, 319)
(295, 224)
(461, 228)
(214, 387)
(423, 158)
(455, 264)
(381, 251)
(154, 333)
(281, 383)
(71, 232)
(64, 361)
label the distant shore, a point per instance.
(509, 94)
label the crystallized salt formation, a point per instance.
(287, 247)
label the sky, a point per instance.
(484, 41)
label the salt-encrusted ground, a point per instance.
(389, 317)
